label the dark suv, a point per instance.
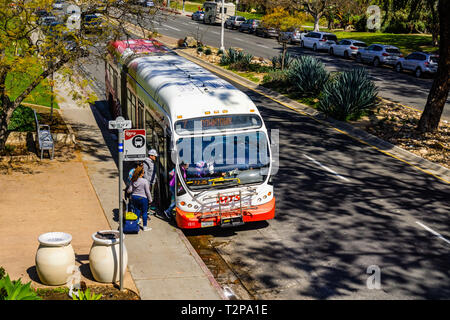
(249, 25)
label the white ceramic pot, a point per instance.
(55, 258)
(104, 257)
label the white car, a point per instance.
(318, 40)
(346, 48)
(58, 5)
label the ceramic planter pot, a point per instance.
(104, 256)
(55, 258)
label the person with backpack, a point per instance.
(150, 171)
(139, 189)
(128, 182)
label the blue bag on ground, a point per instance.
(131, 223)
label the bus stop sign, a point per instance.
(134, 145)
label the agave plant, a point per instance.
(86, 295)
(349, 95)
(278, 60)
(16, 290)
(308, 75)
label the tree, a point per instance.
(280, 19)
(431, 115)
(316, 8)
(31, 51)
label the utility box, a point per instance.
(213, 11)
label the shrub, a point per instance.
(237, 60)
(219, 52)
(208, 51)
(276, 61)
(16, 290)
(276, 79)
(360, 23)
(87, 295)
(22, 119)
(200, 49)
(349, 95)
(308, 75)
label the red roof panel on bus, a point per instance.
(139, 46)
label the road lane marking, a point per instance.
(326, 168)
(261, 45)
(433, 232)
(166, 26)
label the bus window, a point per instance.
(149, 130)
(140, 115)
(115, 83)
(132, 107)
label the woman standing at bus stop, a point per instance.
(140, 195)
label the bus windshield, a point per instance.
(212, 124)
(224, 161)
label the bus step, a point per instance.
(231, 221)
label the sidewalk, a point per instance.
(162, 262)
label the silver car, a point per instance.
(378, 54)
(419, 63)
(234, 22)
(346, 48)
(292, 35)
(198, 15)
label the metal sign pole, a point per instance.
(119, 124)
(121, 138)
(222, 45)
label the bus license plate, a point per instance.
(207, 224)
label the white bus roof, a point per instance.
(187, 90)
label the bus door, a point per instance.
(161, 146)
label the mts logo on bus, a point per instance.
(227, 199)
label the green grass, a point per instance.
(407, 43)
(188, 6)
(41, 95)
(249, 15)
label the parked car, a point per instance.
(46, 20)
(265, 32)
(378, 54)
(93, 22)
(42, 13)
(293, 35)
(318, 40)
(419, 63)
(346, 48)
(249, 25)
(198, 15)
(234, 22)
(58, 5)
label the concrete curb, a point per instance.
(385, 147)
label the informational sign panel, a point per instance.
(134, 145)
(119, 123)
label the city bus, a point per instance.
(208, 134)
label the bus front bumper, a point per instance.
(190, 220)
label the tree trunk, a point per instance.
(316, 22)
(431, 115)
(4, 133)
